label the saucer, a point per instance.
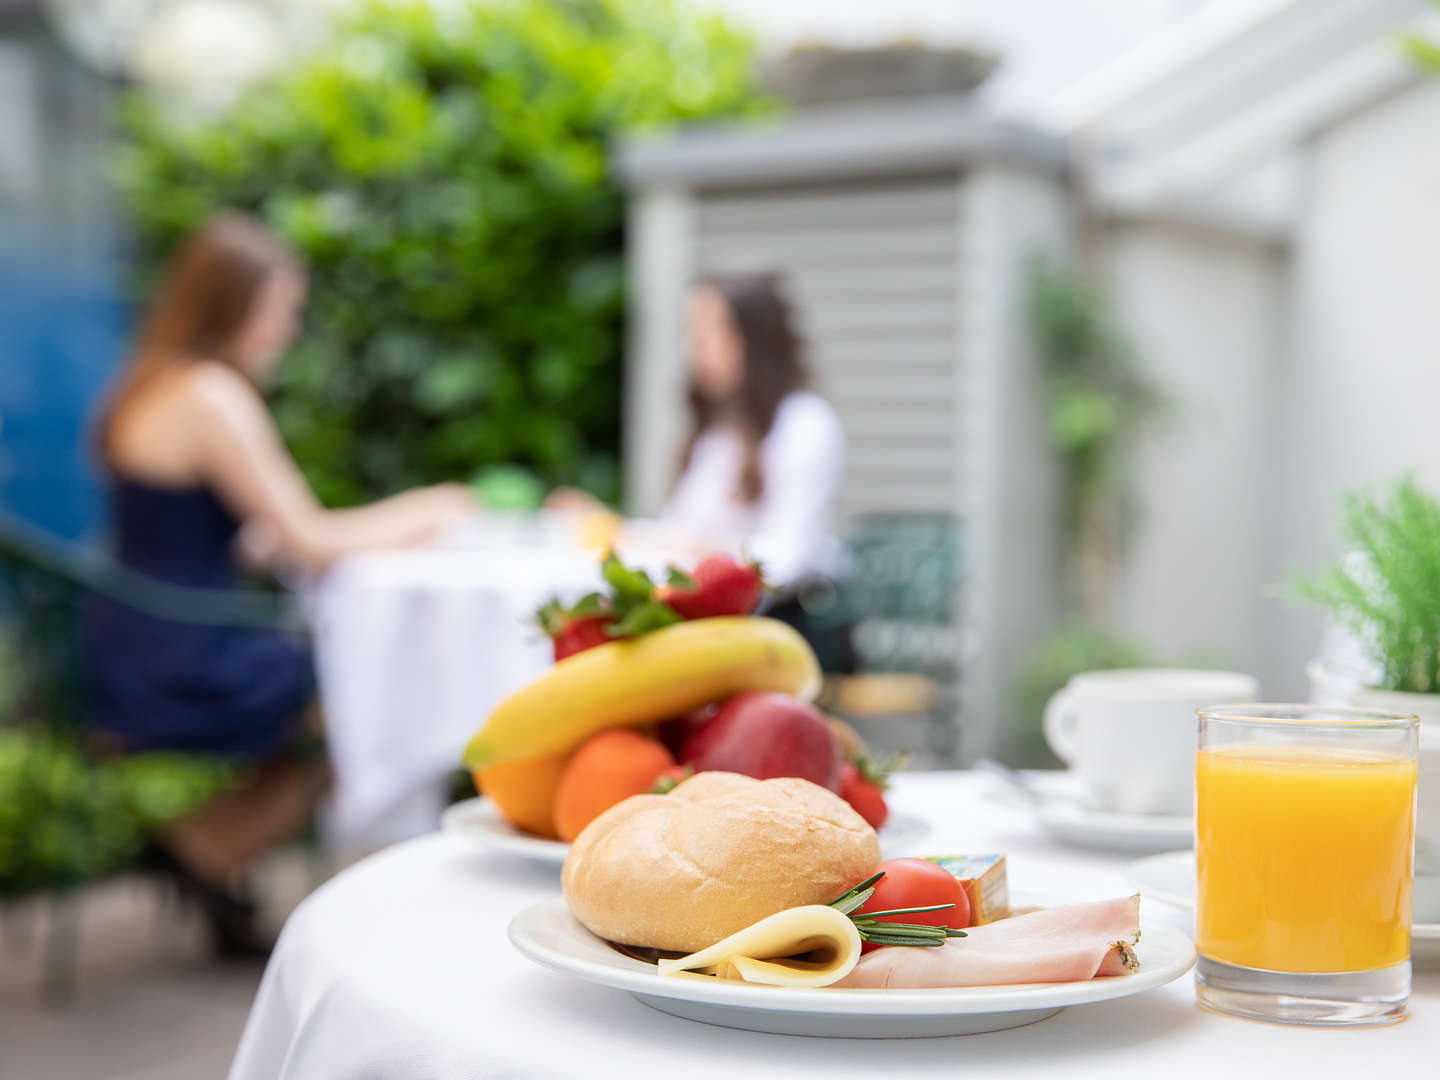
(1170, 879)
(1086, 826)
(1063, 808)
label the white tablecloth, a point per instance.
(400, 969)
(412, 649)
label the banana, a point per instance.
(653, 677)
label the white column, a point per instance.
(661, 242)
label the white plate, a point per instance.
(1170, 878)
(479, 823)
(548, 934)
(1085, 826)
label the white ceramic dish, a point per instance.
(1170, 878)
(1075, 822)
(548, 934)
(479, 823)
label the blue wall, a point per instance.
(62, 332)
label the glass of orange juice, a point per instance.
(1304, 845)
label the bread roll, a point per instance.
(684, 870)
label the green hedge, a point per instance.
(444, 173)
(66, 818)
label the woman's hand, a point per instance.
(444, 504)
(572, 500)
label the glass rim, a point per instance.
(1341, 716)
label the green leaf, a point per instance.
(679, 579)
(629, 585)
(643, 618)
(552, 617)
(591, 604)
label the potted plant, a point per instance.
(1384, 596)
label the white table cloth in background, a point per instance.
(412, 650)
(400, 969)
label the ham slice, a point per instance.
(1067, 944)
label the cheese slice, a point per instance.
(802, 946)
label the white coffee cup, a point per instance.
(1130, 734)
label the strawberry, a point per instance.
(629, 609)
(863, 787)
(581, 634)
(718, 586)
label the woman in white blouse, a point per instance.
(762, 467)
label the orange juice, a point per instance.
(1304, 858)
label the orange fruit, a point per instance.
(608, 768)
(524, 790)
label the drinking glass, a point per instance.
(1304, 847)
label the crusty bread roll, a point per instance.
(684, 870)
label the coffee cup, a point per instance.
(1130, 734)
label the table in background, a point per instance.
(414, 647)
(400, 968)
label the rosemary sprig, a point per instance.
(891, 933)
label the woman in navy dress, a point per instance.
(198, 472)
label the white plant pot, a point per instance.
(1330, 688)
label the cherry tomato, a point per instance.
(918, 883)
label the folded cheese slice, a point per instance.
(1065, 944)
(800, 946)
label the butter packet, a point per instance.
(983, 878)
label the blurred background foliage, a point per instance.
(1097, 403)
(443, 172)
(67, 817)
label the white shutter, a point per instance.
(873, 271)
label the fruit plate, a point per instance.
(479, 823)
(549, 935)
(1170, 878)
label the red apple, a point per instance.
(764, 736)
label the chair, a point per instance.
(899, 606)
(44, 583)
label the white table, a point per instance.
(400, 968)
(412, 650)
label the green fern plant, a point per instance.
(1387, 591)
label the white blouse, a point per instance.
(790, 529)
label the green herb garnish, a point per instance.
(891, 933)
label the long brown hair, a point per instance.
(203, 303)
(774, 367)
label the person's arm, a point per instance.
(804, 467)
(240, 453)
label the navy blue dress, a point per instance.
(165, 685)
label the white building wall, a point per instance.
(1206, 313)
(1359, 395)
(1009, 490)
